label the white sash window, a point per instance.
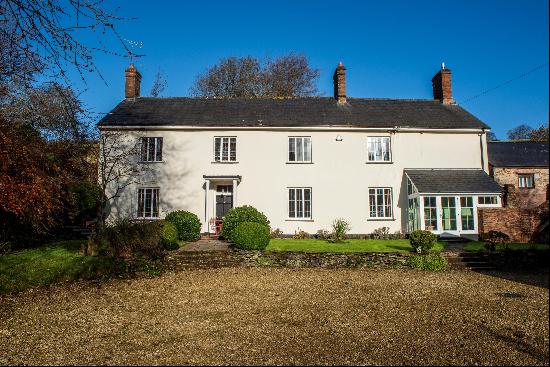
(148, 203)
(379, 149)
(380, 202)
(225, 149)
(299, 149)
(151, 149)
(299, 203)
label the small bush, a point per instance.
(187, 224)
(422, 241)
(169, 235)
(238, 215)
(276, 233)
(127, 238)
(382, 233)
(492, 238)
(300, 235)
(340, 228)
(323, 234)
(251, 236)
(427, 262)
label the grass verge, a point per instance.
(314, 245)
(52, 263)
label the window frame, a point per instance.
(303, 203)
(296, 161)
(390, 155)
(152, 216)
(229, 149)
(525, 176)
(156, 151)
(485, 204)
(391, 216)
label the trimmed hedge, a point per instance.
(251, 236)
(422, 241)
(428, 262)
(241, 214)
(187, 224)
(169, 235)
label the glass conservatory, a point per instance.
(445, 202)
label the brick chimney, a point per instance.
(133, 80)
(441, 84)
(340, 83)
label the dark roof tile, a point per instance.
(290, 112)
(518, 153)
(451, 181)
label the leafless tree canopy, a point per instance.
(47, 36)
(159, 85)
(290, 76)
(248, 77)
(52, 109)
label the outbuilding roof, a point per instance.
(518, 153)
(452, 181)
(289, 112)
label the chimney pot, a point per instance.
(441, 84)
(339, 79)
(133, 81)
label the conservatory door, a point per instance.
(449, 214)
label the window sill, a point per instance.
(224, 162)
(299, 220)
(151, 162)
(379, 162)
(299, 162)
(380, 219)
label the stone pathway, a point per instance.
(204, 245)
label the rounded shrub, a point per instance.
(187, 224)
(251, 236)
(422, 241)
(241, 214)
(169, 235)
(428, 262)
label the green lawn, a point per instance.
(45, 265)
(313, 245)
(478, 246)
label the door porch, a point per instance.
(220, 195)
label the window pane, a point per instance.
(155, 210)
(299, 150)
(291, 149)
(386, 149)
(147, 211)
(233, 149)
(144, 149)
(225, 149)
(140, 203)
(151, 149)
(307, 203)
(217, 149)
(291, 203)
(299, 204)
(307, 149)
(159, 150)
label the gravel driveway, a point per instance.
(282, 316)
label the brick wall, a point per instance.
(518, 223)
(522, 198)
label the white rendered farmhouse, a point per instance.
(398, 163)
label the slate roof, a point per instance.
(518, 153)
(450, 181)
(292, 112)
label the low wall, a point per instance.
(520, 224)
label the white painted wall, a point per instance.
(339, 175)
